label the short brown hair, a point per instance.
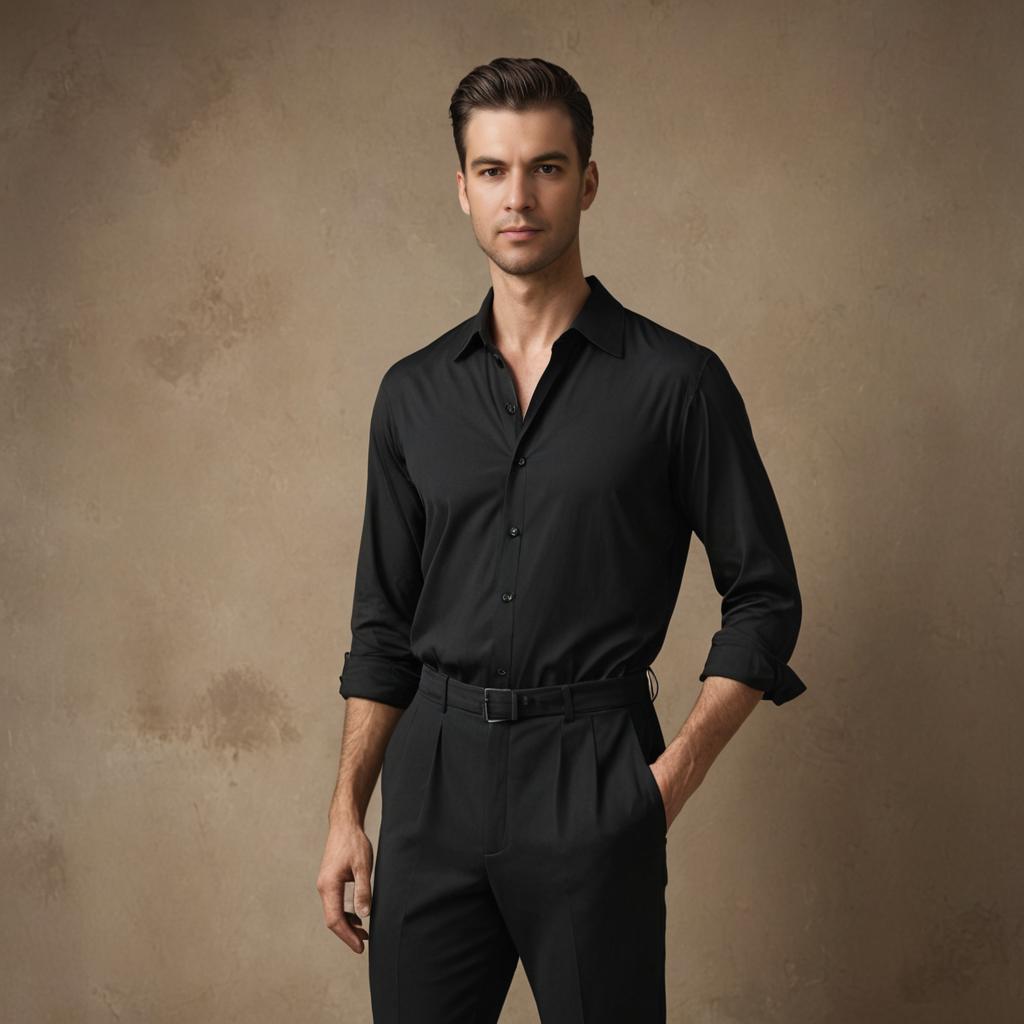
(521, 83)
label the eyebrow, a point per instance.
(545, 158)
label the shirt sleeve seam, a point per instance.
(697, 383)
(693, 393)
(680, 439)
(393, 438)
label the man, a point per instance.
(535, 475)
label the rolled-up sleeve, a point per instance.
(380, 665)
(728, 499)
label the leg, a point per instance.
(581, 880)
(439, 952)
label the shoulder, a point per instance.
(423, 363)
(664, 353)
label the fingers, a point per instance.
(354, 922)
(362, 891)
(343, 924)
(344, 887)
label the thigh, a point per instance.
(582, 879)
(439, 950)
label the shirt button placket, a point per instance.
(512, 514)
(514, 505)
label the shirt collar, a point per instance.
(600, 321)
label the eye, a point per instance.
(486, 172)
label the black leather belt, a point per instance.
(501, 704)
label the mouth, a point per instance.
(521, 233)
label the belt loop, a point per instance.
(567, 701)
(444, 694)
(657, 686)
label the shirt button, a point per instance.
(510, 407)
(502, 672)
(497, 359)
(521, 461)
(506, 596)
(513, 531)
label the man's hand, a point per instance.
(347, 858)
(349, 853)
(655, 768)
(720, 709)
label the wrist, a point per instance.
(344, 814)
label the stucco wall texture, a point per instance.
(221, 222)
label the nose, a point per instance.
(519, 195)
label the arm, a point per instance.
(348, 856)
(723, 491)
(380, 674)
(721, 708)
(389, 576)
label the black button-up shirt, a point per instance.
(522, 551)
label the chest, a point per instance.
(525, 374)
(577, 430)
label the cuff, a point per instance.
(748, 663)
(379, 679)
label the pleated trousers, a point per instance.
(539, 835)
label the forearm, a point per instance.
(721, 708)
(368, 727)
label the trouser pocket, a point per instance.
(646, 744)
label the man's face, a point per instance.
(522, 168)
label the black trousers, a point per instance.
(540, 836)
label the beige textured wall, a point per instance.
(222, 221)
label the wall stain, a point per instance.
(36, 371)
(217, 318)
(113, 999)
(963, 947)
(32, 854)
(60, 83)
(208, 83)
(239, 711)
(78, 88)
(152, 720)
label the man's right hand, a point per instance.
(347, 858)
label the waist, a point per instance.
(502, 704)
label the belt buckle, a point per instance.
(515, 705)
